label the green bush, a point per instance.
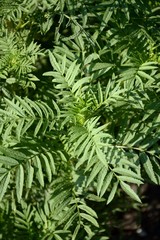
(79, 114)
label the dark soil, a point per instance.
(143, 225)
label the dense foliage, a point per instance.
(79, 114)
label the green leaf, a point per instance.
(52, 163)
(102, 65)
(3, 170)
(79, 84)
(101, 157)
(100, 181)
(37, 129)
(74, 236)
(146, 163)
(60, 198)
(144, 68)
(19, 182)
(113, 192)
(36, 106)
(126, 172)
(30, 174)
(54, 63)
(72, 73)
(26, 106)
(57, 237)
(129, 179)
(8, 161)
(88, 210)
(47, 167)
(71, 220)
(106, 183)
(90, 219)
(88, 231)
(68, 215)
(90, 58)
(19, 128)
(96, 169)
(13, 153)
(106, 17)
(98, 131)
(63, 66)
(95, 198)
(145, 75)
(10, 80)
(100, 93)
(39, 173)
(80, 140)
(126, 188)
(4, 184)
(27, 125)
(83, 146)
(18, 110)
